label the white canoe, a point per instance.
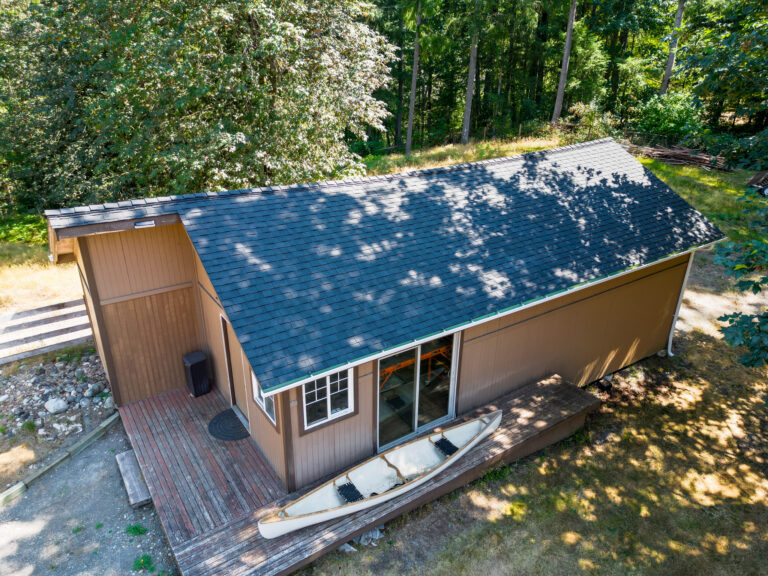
(381, 478)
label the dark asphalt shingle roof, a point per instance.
(318, 276)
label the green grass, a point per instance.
(715, 194)
(455, 154)
(144, 563)
(29, 426)
(135, 530)
(78, 529)
(23, 239)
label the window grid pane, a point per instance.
(326, 397)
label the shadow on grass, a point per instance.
(668, 478)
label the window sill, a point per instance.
(329, 422)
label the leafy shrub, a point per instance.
(26, 228)
(590, 123)
(673, 114)
(750, 152)
(746, 259)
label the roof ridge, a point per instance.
(144, 200)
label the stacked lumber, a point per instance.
(680, 155)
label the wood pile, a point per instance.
(680, 155)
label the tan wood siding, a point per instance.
(266, 434)
(138, 261)
(582, 336)
(89, 304)
(148, 337)
(213, 342)
(318, 453)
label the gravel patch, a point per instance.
(73, 521)
(46, 405)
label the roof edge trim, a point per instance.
(482, 320)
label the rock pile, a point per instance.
(59, 398)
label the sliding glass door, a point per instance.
(416, 389)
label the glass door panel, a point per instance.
(397, 387)
(435, 380)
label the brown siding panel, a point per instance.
(266, 434)
(582, 336)
(318, 453)
(136, 261)
(148, 337)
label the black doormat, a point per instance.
(227, 426)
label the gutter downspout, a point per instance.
(679, 303)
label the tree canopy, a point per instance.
(106, 100)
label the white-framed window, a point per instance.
(267, 403)
(328, 398)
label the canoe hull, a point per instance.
(273, 526)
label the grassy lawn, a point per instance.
(27, 279)
(455, 154)
(669, 477)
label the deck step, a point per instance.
(138, 494)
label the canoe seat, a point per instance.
(446, 446)
(349, 492)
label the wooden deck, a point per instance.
(210, 495)
(198, 484)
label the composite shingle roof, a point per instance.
(324, 275)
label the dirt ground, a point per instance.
(73, 521)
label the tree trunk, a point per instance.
(414, 79)
(539, 61)
(672, 48)
(564, 66)
(470, 80)
(399, 117)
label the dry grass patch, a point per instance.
(456, 154)
(35, 283)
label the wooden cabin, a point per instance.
(341, 318)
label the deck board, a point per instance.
(234, 481)
(198, 484)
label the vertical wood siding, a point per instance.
(267, 435)
(89, 304)
(148, 337)
(582, 337)
(136, 261)
(147, 302)
(331, 448)
(213, 342)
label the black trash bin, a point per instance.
(196, 369)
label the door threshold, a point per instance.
(243, 419)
